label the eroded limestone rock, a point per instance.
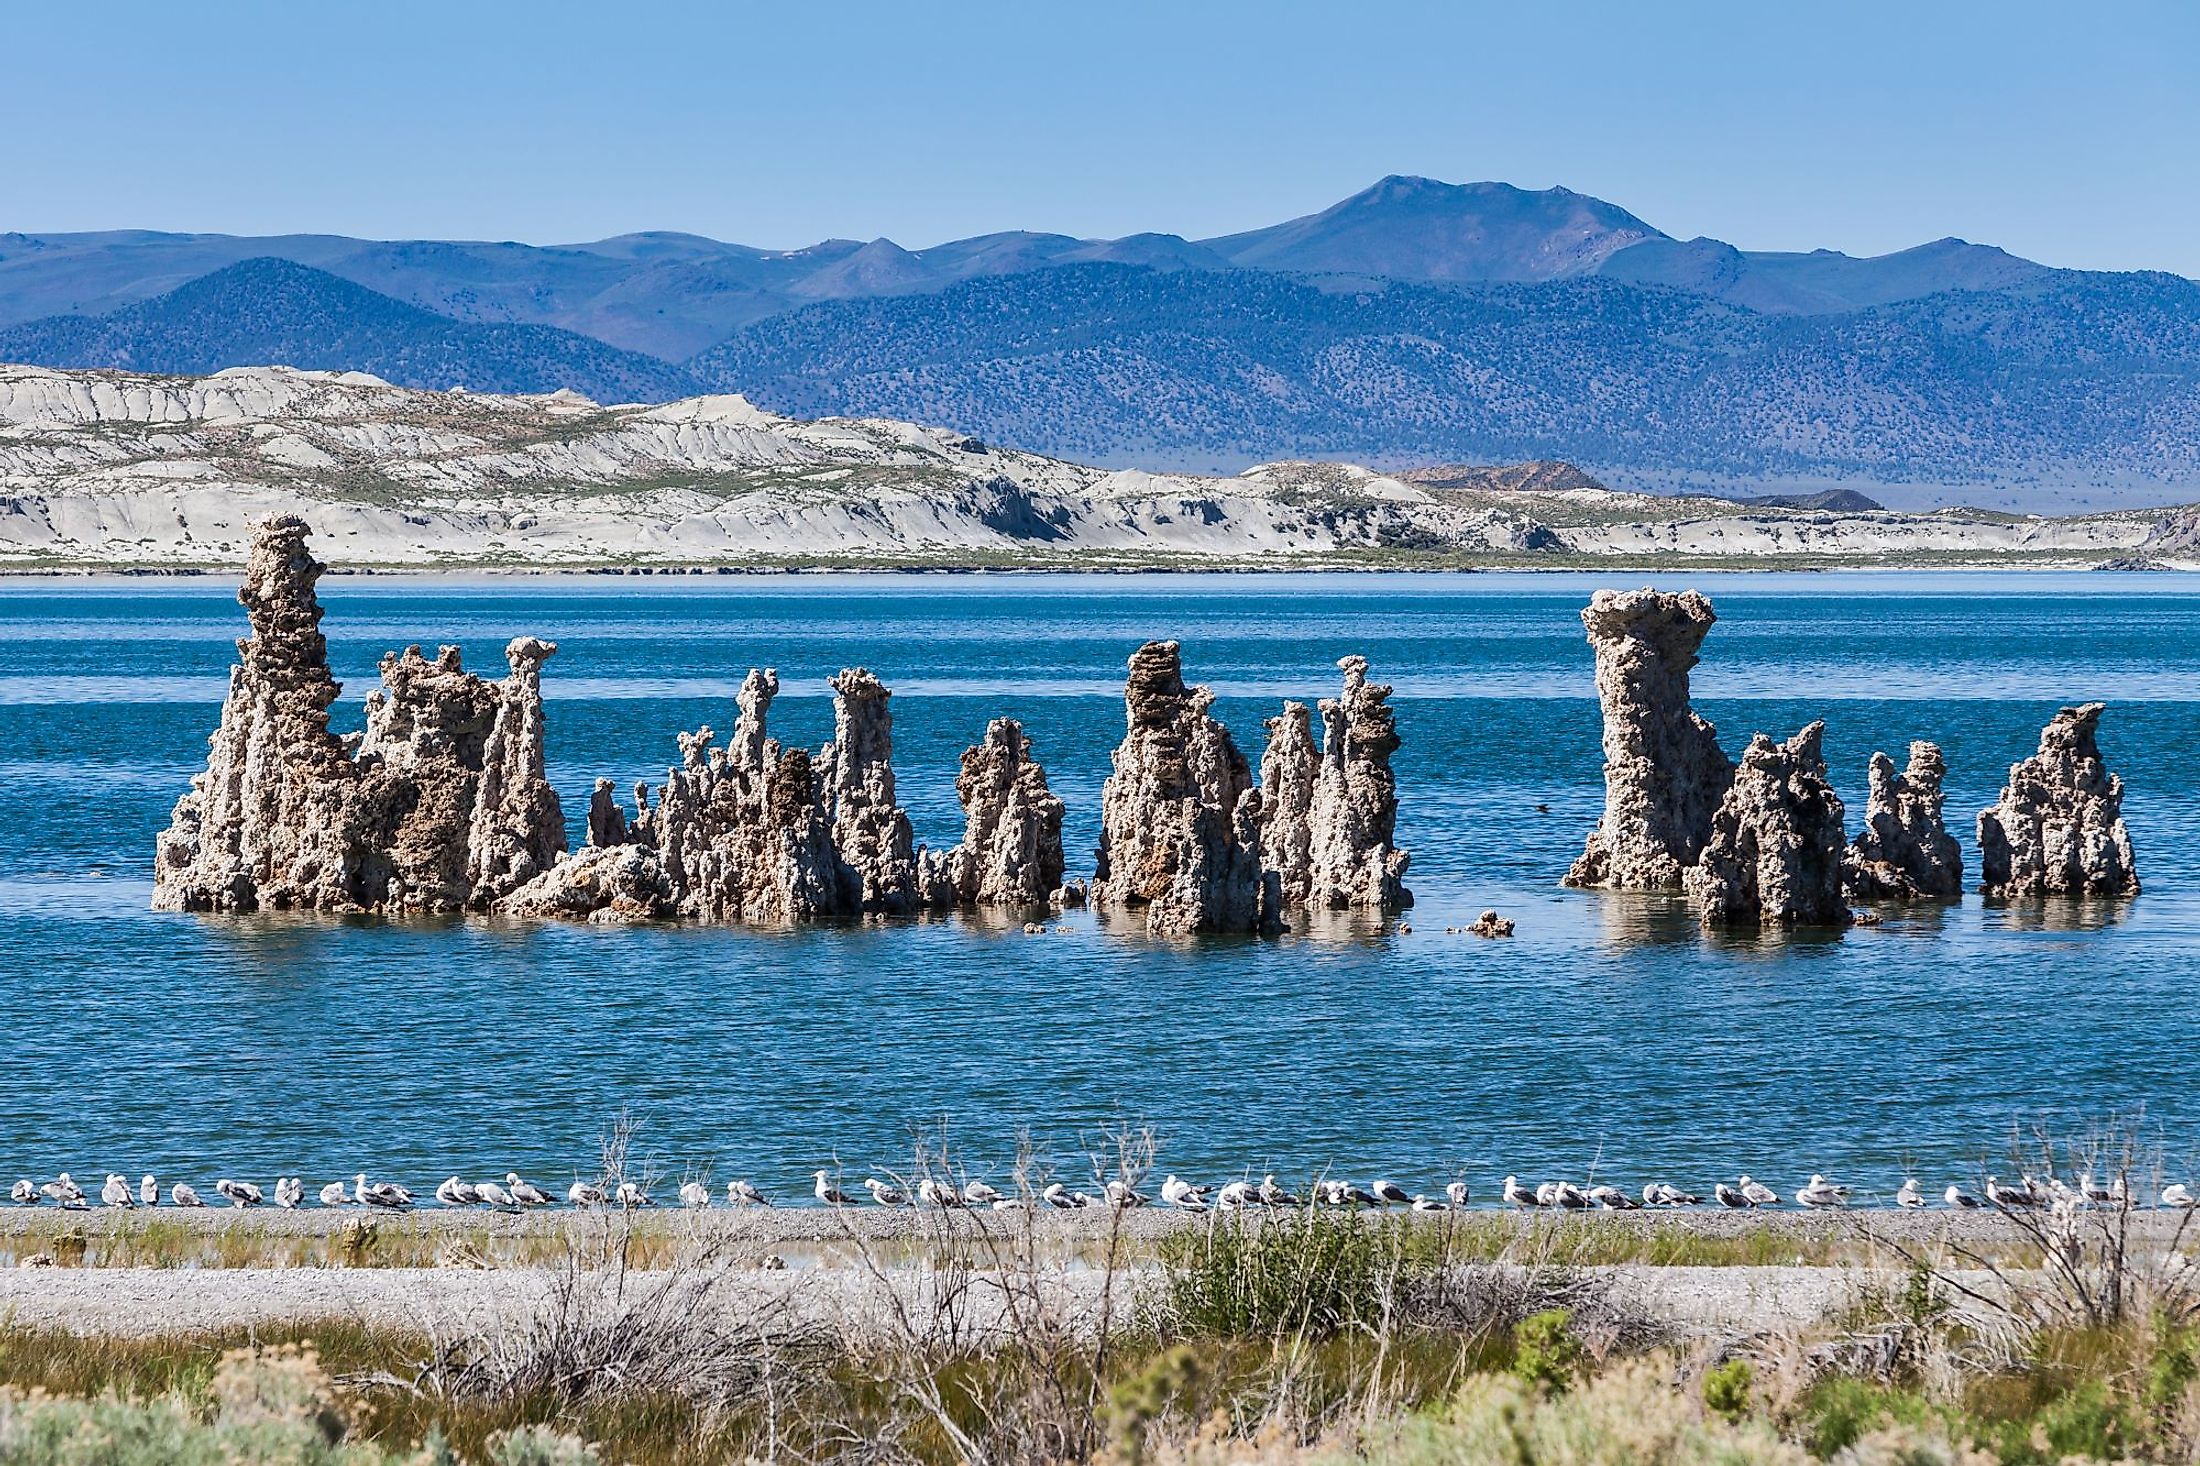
(1773, 855)
(1329, 819)
(2058, 828)
(1180, 816)
(1904, 852)
(1011, 851)
(870, 830)
(607, 884)
(1664, 773)
(441, 804)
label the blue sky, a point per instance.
(2069, 133)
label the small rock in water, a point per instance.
(1490, 924)
(2058, 829)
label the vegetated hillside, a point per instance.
(269, 311)
(2092, 375)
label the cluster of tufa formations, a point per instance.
(442, 804)
(1765, 843)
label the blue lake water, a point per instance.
(1609, 1034)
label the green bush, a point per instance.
(1309, 1275)
(1545, 1352)
(1726, 1389)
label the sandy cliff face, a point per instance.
(113, 468)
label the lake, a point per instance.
(1610, 1035)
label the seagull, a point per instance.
(695, 1194)
(977, 1193)
(1121, 1195)
(149, 1190)
(183, 1195)
(935, 1193)
(744, 1193)
(64, 1190)
(1665, 1193)
(1726, 1195)
(1546, 1194)
(1520, 1195)
(1757, 1193)
(496, 1196)
(1055, 1196)
(289, 1191)
(1185, 1196)
(117, 1192)
(1822, 1193)
(1909, 1195)
(455, 1192)
(1959, 1198)
(1611, 1198)
(631, 1195)
(1237, 1195)
(827, 1192)
(2097, 1195)
(1456, 1194)
(2001, 1195)
(584, 1196)
(526, 1193)
(1569, 1195)
(1422, 1203)
(1273, 1195)
(884, 1194)
(381, 1193)
(1390, 1193)
(2179, 1195)
(241, 1194)
(23, 1193)
(334, 1194)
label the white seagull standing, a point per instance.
(1456, 1194)
(1568, 1195)
(1520, 1195)
(334, 1194)
(241, 1194)
(744, 1193)
(183, 1195)
(827, 1192)
(1184, 1196)
(117, 1192)
(2001, 1195)
(1822, 1193)
(1909, 1195)
(631, 1195)
(937, 1193)
(525, 1193)
(496, 1196)
(884, 1194)
(1727, 1195)
(23, 1193)
(1959, 1198)
(64, 1190)
(1273, 1195)
(1757, 1193)
(584, 1196)
(1390, 1193)
(455, 1192)
(2179, 1195)
(290, 1191)
(149, 1190)
(695, 1195)
(977, 1193)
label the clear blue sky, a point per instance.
(2066, 132)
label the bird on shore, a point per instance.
(23, 1193)
(1056, 1195)
(1757, 1193)
(1273, 1195)
(241, 1194)
(1665, 1193)
(2006, 1196)
(630, 1194)
(1122, 1195)
(1611, 1198)
(977, 1193)
(1546, 1193)
(454, 1192)
(1185, 1196)
(695, 1196)
(1520, 1195)
(1959, 1198)
(2095, 1195)
(335, 1194)
(935, 1193)
(826, 1191)
(149, 1190)
(2179, 1195)
(1456, 1194)
(1390, 1193)
(585, 1196)
(1569, 1196)
(183, 1195)
(1730, 1196)
(290, 1191)
(1822, 1193)
(526, 1193)
(386, 1194)
(1237, 1196)
(884, 1194)
(117, 1191)
(1909, 1196)
(494, 1195)
(744, 1193)
(1422, 1203)
(64, 1190)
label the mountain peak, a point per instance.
(1406, 227)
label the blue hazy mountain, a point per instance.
(270, 311)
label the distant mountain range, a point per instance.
(1416, 321)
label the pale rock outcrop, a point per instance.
(2058, 828)
(607, 824)
(1180, 816)
(1664, 773)
(605, 884)
(1011, 850)
(870, 830)
(440, 804)
(1773, 855)
(1904, 852)
(1329, 820)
